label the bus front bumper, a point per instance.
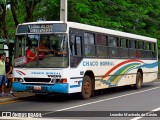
(45, 88)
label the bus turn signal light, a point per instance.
(64, 80)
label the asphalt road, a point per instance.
(114, 104)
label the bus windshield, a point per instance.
(45, 51)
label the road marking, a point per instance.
(152, 111)
(101, 100)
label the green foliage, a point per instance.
(135, 16)
(47, 10)
(10, 24)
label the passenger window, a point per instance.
(113, 47)
(124, 48)
(102, 43)
(89, 41)
(113, 42)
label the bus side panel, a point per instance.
(76, 79)
(148, 77)
(111, 72)
(150, 70)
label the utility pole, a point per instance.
(63, 10)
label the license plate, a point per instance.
(37, 87)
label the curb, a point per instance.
(14, 98)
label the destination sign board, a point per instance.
(42, 28)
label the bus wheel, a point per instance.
(138, 84)
(86, 87)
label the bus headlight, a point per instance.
(18, 80)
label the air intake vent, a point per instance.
(46, 80)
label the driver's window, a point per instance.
(32, 43)
(53, 45)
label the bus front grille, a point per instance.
(46, 80)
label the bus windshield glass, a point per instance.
(41, 50)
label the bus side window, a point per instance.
(102, 45)
(72, 40)
(147, 49)
(153, 50)
(113, 47)
(76, 45)
(132, 48)
(124, 48)
(89, 44)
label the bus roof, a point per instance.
(96, 29)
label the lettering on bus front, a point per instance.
(47, 73)
(96, 63)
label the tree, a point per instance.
(3, 28)
(13, 5)
(134, 16)
(29, 8)
(24, 8)
(47, 10)
(20, 11)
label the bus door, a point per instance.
(76, 49)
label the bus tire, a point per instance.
(139, 80)
(86, 87)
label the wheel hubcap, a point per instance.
(139, 82)
(86, 87)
